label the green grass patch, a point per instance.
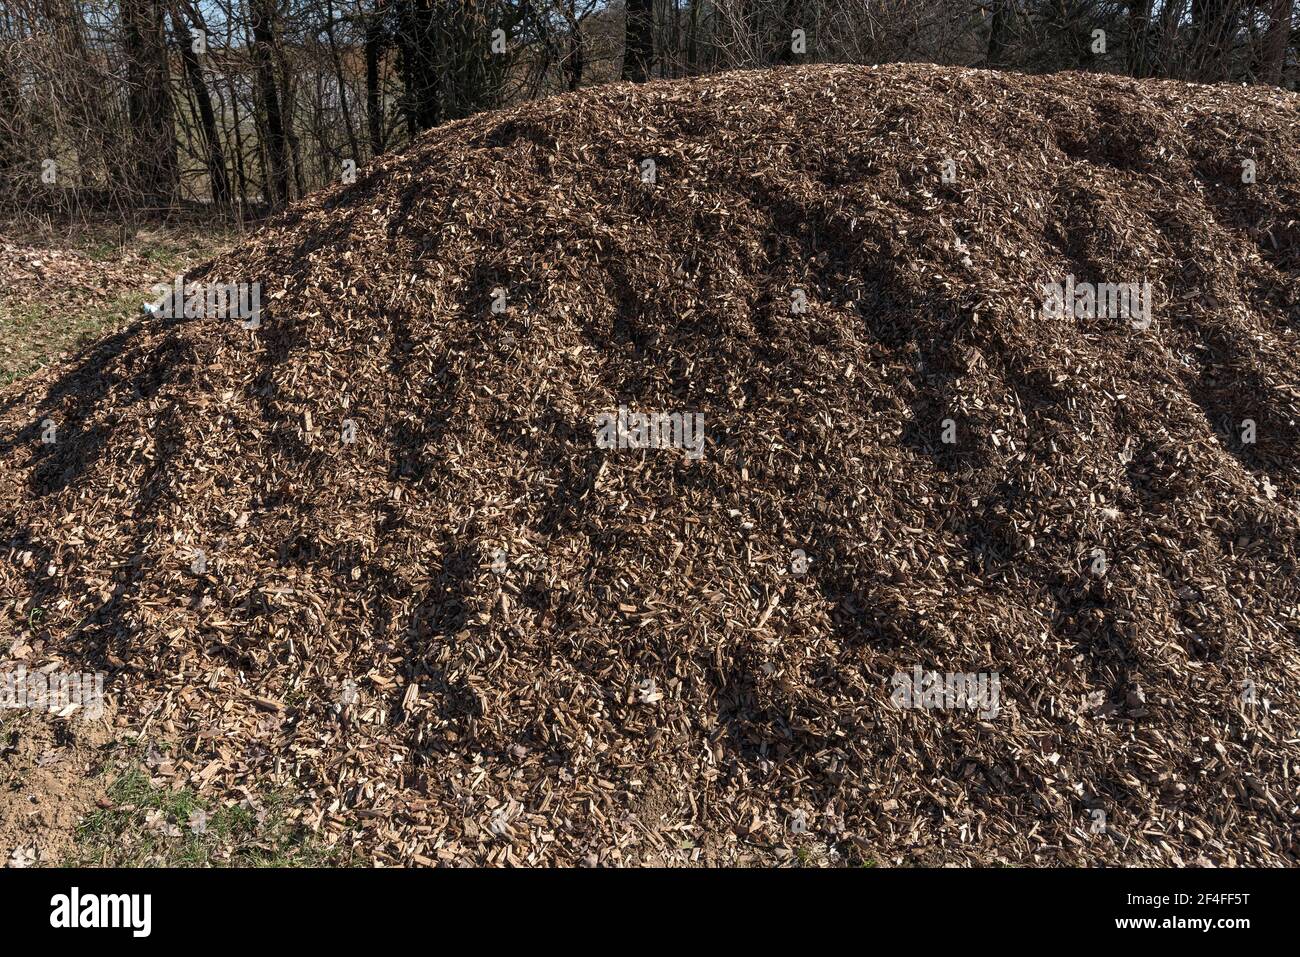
(31, 334)
(151, 826)
(37, 325)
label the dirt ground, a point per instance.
(51, 776)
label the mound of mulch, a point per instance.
(471, 634)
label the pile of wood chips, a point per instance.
(372, 552)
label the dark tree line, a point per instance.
(146, 105)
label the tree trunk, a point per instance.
(574, 64)
(692, 43)
(262, 13)
(236, 126)
(1139, 25)
(340, 80)
(149, 103)
(216, 159)
(375, 45)
(417, 40)
(999, 32)
(99, 140)
(638, 40)
(1276, 41)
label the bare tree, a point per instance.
(1214, 24)
(276, 137)
(191, 40)
(1276, 41)
(149, 99)
(638, 44)
(264, 109)
(376, 43)
(1000, 17)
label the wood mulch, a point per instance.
(473, 636)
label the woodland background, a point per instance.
(142, 110)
